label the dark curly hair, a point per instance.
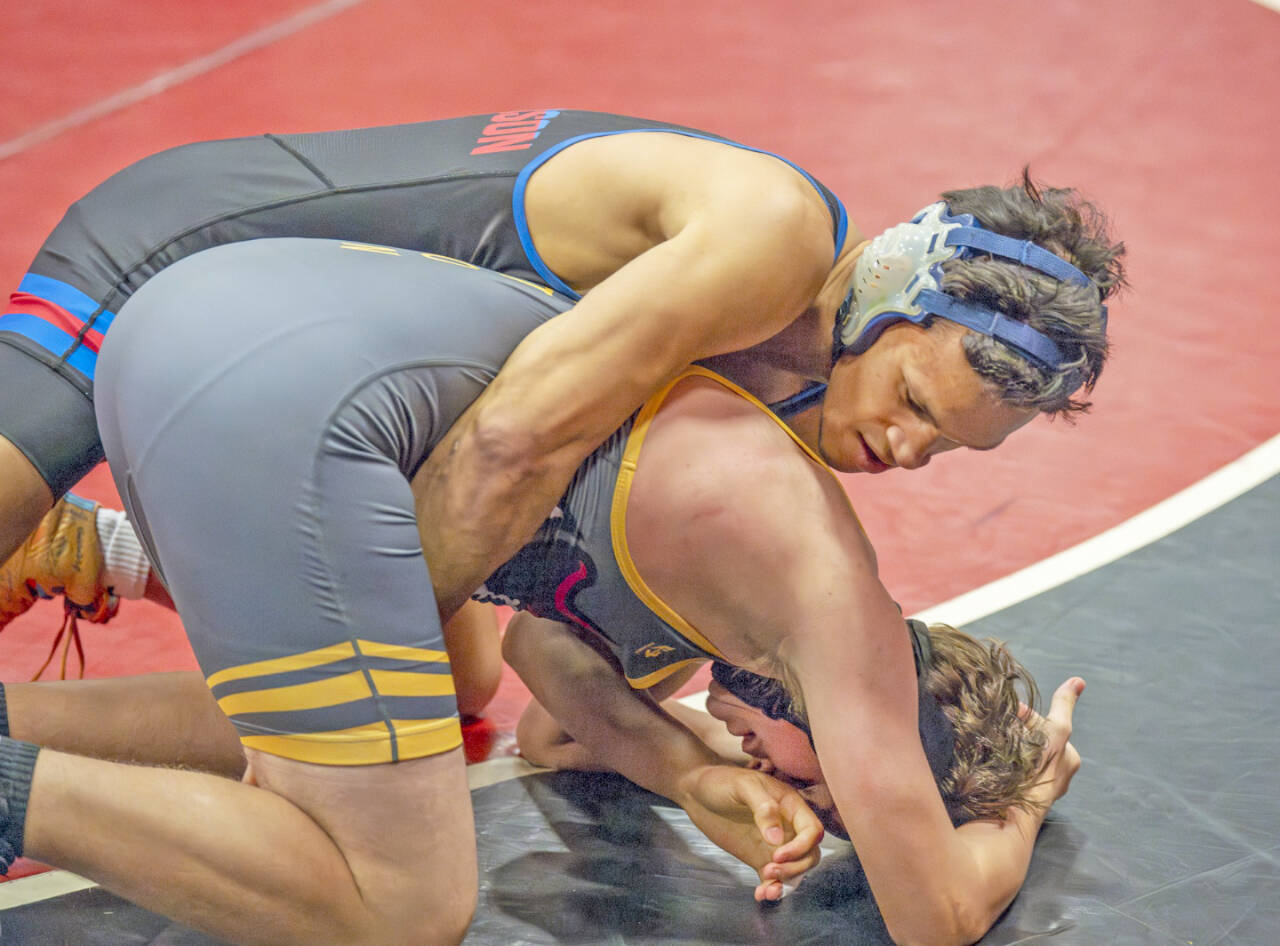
(1072, 315)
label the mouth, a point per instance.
(871, 461)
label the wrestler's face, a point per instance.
(911, 395)
(779, 749)
(776, 746)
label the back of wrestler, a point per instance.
(440, 186)
(454, 187)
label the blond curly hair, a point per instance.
(999, 754)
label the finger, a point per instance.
(768, 891)
(1064, 700)
(764, 811)
(791, 871)
(804, 844)
(806, 828)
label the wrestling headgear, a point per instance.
(899, 276)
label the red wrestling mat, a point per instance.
(1167, 113)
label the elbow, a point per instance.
(504, 444)
(511, 450)
(951, 924)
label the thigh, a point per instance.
(406, 831)
(45, 413)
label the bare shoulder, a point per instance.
(628, 193)
(732, 523)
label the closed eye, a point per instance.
(921, 411)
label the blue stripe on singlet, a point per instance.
(522, 181)
(52, 339)
(67, 297)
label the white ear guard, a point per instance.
(898, 276)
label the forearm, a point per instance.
(543, 741)
(615, 727)
(152, 719)
(712, 732)
(474, 644)
(755, 818)
(572, 381)
(1000, 854)
(478, 502)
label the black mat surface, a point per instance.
(1170, 835)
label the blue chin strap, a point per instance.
(898, 278)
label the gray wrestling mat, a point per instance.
(1170, 835)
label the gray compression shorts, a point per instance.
(263, 407)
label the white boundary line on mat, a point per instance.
(1255, 467)
(54, 883)
(176, 76)
(1199, 499)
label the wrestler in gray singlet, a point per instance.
(263, 406)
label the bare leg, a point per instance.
(154, 719)
(297, 853)
(24, 498)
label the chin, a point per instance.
(844, 464)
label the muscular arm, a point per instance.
(731, 260)
(846, 646)
(614, 728)
(784, 574)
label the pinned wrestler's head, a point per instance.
(961, 325)
(984, 755)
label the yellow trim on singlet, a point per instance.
(653, 679)
(370, 248)
(622, 493)
(304, 661)
(392, 251)
(331, 691)
(401, 652)
(408, 683)
(326, 655)
(364, 745)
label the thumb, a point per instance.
(1064, 700)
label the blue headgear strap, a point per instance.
(986, 321)
(965, 234)
(1020, 251)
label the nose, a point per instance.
(913, 444)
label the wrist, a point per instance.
(688, 779)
